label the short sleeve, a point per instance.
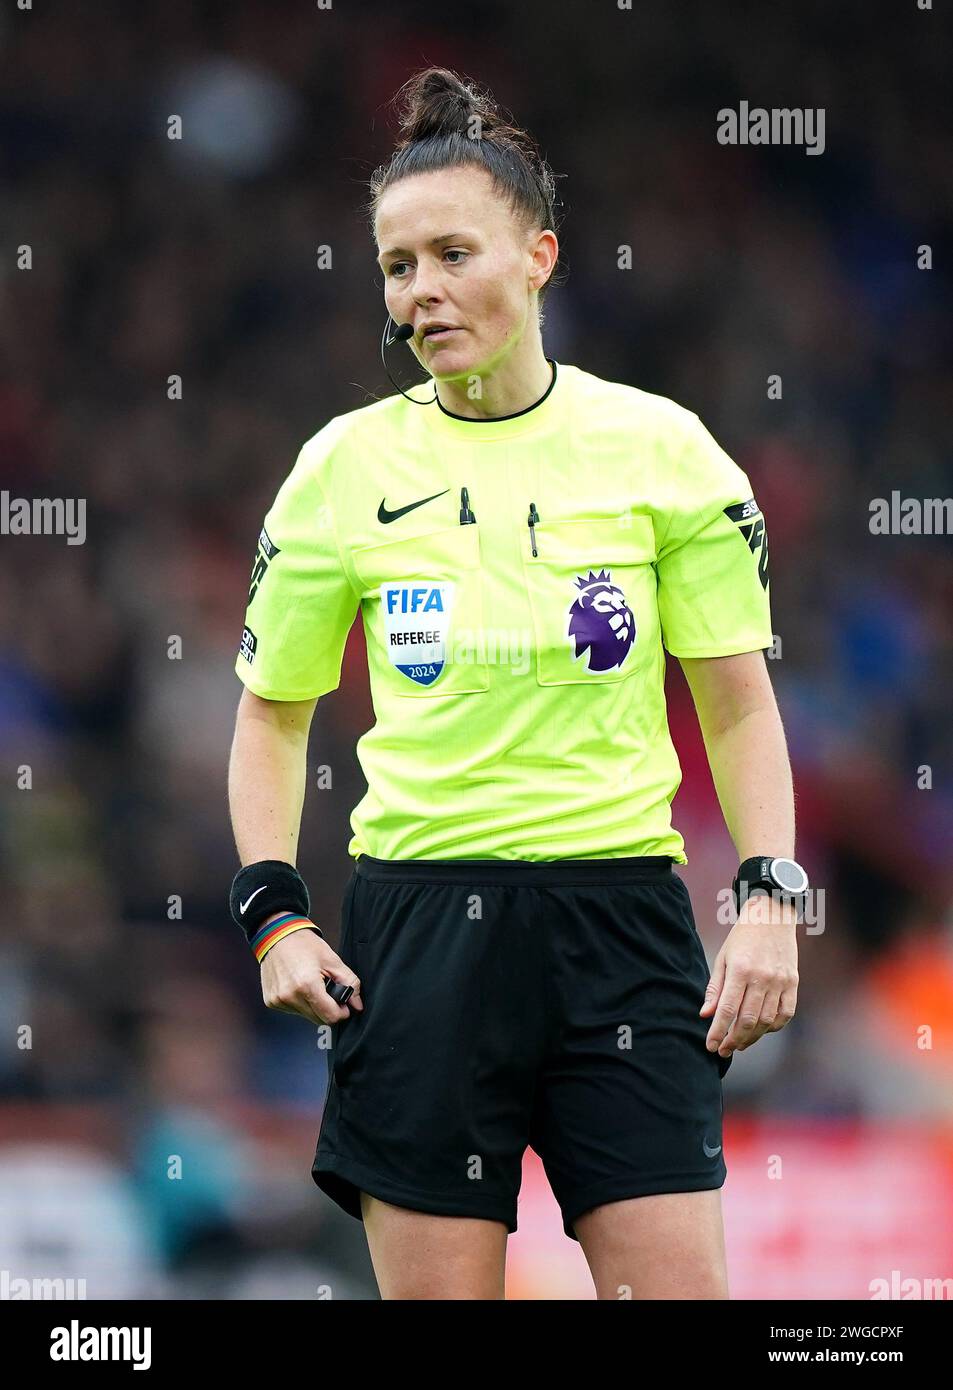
(301, 603)
(712, 563)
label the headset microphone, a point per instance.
(400, 335)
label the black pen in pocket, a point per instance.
(531, 523)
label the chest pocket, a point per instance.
(593, 595)
(423, 613)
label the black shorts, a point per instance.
(509, 1003)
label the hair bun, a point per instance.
(438, 102)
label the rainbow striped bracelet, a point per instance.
(269, 935)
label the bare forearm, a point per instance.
(266, 786)
(752, 775)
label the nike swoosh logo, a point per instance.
(710, 1153)
(242, 906)
(383, 515)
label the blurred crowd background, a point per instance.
(199, 257)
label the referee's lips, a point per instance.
(437, 330)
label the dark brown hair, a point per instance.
(446, 122)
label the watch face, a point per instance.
(789, 875)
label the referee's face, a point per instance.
(452, 252)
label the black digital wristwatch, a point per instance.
(782, 879)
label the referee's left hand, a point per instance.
(753, 986)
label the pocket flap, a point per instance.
(628, 540)
(435, 554)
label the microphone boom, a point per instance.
(400, 335)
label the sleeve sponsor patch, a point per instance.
(748, 518)
(741, 511)
(266, 552)
(249, 645)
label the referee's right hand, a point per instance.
(292, 979)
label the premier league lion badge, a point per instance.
(601, 622)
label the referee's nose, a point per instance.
(428, 293)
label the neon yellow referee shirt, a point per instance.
(517, 672)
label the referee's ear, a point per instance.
(545, 255)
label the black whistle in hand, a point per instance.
(339, 992)
(466, 516)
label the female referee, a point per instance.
(523, 961)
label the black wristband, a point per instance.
(260, 890)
